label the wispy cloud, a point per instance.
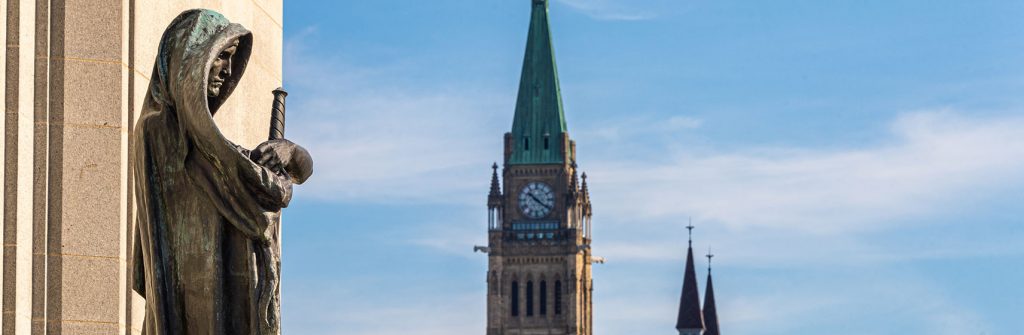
(788, 309)
(771, 205)
(365, 313)
(377, 140)
(788, 200)
(799, 301)
(612, 10)
(932, 159)
(631, 129)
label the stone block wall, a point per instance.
(75, 73)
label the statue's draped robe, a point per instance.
(206, 252)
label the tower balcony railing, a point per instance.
(538, 231)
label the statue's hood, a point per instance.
(187, 51)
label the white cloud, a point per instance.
(612, 10)
(801, 301)
(433, 315)
(387, 147)
(799, 305)
(800, 207)
(793, 207)
(634, 128)
(683, 122)
(811, 210)
(378, 141)
(932, 160)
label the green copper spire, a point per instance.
(539, 122)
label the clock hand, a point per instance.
(535, 199)
(538, 201)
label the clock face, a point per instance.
(536, 200)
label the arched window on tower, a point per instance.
(526, 143)
(515, 298)
(558, 297)
(547, 140)
(529, 298)
(490, 218)
(543, 297)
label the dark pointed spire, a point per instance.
(495, 190)
(585, 195)
(539, 120)
(584, 190)
(690, 319)
(494, 197)
(574, 183)
(710, 312)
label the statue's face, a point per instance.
(221, 69)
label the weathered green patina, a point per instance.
(207, 242)
(539, 120)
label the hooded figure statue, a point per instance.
(207, 253)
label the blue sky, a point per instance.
(857, 167)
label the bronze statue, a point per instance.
(207, 255)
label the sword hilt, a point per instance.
(277, 115)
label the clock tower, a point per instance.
(539, 258)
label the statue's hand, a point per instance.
(300, 164)
(284, 157)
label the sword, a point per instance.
(277, 115)
(269, 256)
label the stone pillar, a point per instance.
(19, 163)
(75, 75)
(88, 171)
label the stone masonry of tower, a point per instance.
(539, 259)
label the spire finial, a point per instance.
(709, 256)
(494, 197)
(690, 228)
(584, 189)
